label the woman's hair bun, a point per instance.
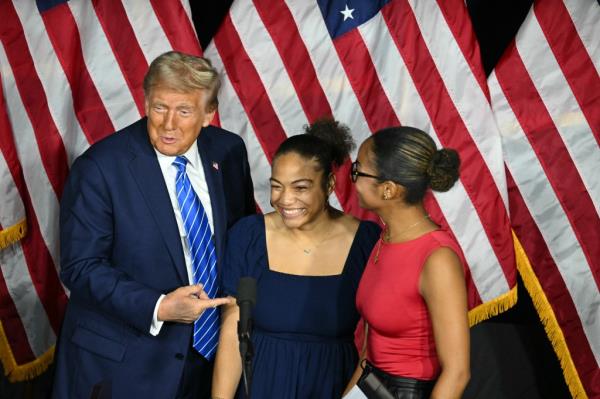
(336, 135)
(443, 169)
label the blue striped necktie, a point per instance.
(204, 259)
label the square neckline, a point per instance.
(268, 264)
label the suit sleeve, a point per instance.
(87, 236)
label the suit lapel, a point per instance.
(148, 176)
(212, 174)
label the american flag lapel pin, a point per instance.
(215, 165)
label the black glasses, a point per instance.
(354, 173)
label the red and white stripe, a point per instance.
(12, 210)
(70, 76)
(545, 98)
(412, 64)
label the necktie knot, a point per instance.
(180, 163)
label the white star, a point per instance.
(347, 13)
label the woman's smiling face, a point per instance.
(297, 190)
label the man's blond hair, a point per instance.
(184, 73)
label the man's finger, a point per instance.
(203, 295)
(195, 290)
(218, 302)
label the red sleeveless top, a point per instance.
(400, 339)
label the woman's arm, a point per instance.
(361, 356)
(228, 364)
(442, 285)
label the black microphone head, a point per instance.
(246, 290)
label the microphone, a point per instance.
(246, 299)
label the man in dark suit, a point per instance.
(129, 255)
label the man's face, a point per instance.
(175, 119)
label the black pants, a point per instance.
(196, 380)
(403, 387)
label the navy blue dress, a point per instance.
(303, 325)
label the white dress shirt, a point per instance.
(195, 172)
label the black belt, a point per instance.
(396, 383)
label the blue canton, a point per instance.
(332, 10)
(44, 5)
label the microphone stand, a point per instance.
(247, 353)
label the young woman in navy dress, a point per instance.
(307, 258)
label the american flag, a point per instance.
(71, 73)
(545, 94)
(373, 64)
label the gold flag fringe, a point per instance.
(493, 307)
(22, 372)
(12, 234)
(548, 318)
(19, 372)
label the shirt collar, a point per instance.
(191, 154)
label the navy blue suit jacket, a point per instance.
(121, 249)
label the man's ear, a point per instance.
(208, 117)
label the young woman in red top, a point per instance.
(412, 294)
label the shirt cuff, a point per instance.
(156, 324)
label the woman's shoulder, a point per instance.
(443, 238)
(245, 245)
(247, 226)
(443, 245)
(247, 231)
(357, 226)
(365, 233)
